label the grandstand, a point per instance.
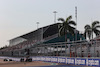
(44, 35)
(39, 35)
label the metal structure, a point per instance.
(69, 49)
(55, 16)
(37, 24)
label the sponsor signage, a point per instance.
(48, 59)
(80, 61)
(74, 61)
(61, 60)
(66, 60)
(70, 60)
(93, 62)
(54, 59)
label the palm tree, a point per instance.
(89, 30)
(65, 27)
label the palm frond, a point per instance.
(87, 27)
(97, 32)
(71, 30)
(72, 23)
(95, 23)
(69, 18)
(61, 19)
(98, 26)
(60, 31)
(60, 25)
(88, 31)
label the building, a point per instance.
(41, 36)
(47, 34)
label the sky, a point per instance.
(18, 17)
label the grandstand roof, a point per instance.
(29, 34)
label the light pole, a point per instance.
(76, 29)
(55, 16)
(76, 23)
(37, 24)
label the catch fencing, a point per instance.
(66, 49)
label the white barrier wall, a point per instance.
(13, 58)
(66, 60)
(73, 61)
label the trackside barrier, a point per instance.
(73, 61)
(13, 58)
(66, 60)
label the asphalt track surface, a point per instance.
(57, 66)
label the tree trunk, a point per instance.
(65, 36)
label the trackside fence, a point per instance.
(66, 49)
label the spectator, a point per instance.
(97, 53)
(82, 54)
(73, 54)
